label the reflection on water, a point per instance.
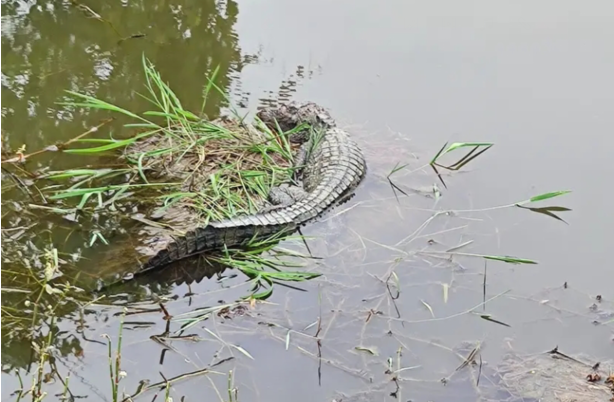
(62, 47)
(385, 322)
(51, 47)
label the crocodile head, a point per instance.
(291, 115)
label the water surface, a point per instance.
(405, 77)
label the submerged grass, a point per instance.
(115, 371)
(38, 298)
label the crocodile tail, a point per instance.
(209, 238)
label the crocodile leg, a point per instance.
(283, 196)
(300, 159)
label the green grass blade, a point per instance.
(509, 260)
(93, 103)
(396, 168)
(140, 168)
(207, 89)
(547, 196)
(438, 154)
(108, 147)
(72, 173)
(81, 191)
(458, 145)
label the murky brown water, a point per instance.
(534, 78)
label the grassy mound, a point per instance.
(177, 171)
(214, 168)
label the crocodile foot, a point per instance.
(283, 196)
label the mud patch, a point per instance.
(552, 377)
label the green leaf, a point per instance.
(293, 276)
(84, 199)
(438, 154)
(263, 295)
(74, 173)
(140, 167)
(96, 140)
(503, 258)
(93, 103)
(458, 145)
(396, 168)
(546, 196)
(508, 259)
(103, 148)
(77, 192)
(207, 88)
(142, 125)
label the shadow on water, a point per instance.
(400, 313)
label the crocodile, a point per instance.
(330, 166)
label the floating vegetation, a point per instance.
(460, 163)
(550, 376)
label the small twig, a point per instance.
(450, 316)
(394, 298)
(484, 285)
(470, 358)
(555, 351)
(165, 383)
(477, 383)
(20, 184)
(167, 316)
(58, 146)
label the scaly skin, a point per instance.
(332, 171)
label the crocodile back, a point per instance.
(333, 169)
